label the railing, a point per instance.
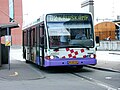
(109, 45)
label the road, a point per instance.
(59, 78)
(87, 78)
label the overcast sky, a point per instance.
(32, 9)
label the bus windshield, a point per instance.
(70, 30)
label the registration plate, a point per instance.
(72, 62)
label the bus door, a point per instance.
(41, 32)
(38, 45)
(32, 45)
(28, 55)
(24, 34)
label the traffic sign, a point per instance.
(8, 40)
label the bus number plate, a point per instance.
(72, 62)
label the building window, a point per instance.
(11, 10)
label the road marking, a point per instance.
(99, 83)
(14, 74)
(108, 78)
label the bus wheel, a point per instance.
(24, 54)
(27, 61)
(41, 67)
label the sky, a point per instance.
(103, 9)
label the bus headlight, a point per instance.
(92, 56)
(89, 56)
(51, 57)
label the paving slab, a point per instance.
(19, 70)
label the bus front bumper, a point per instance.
(70, 62)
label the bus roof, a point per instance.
(39, 20)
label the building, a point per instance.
(88, 6)
(11, 11)
(105, 30)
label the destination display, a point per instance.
(67, 17)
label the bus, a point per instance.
(52, 40)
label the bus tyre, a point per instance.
(24, 54)
(27, 61)
(41, 67)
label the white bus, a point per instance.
(60, 39)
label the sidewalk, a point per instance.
(19, 70)
(108, 60)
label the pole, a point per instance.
(0, 52)
(8, 33)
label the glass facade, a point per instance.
(11, 10)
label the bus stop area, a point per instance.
(19, 70)
(12, 68)
(5, 31)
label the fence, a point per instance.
(109, 45)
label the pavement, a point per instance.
(19, 70)
(108, 60)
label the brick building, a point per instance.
(11, 11)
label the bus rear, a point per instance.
(69, 40)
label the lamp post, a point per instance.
(8, 33)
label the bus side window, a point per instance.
(38, 35)
(32, 37)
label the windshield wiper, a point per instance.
(83, 46)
